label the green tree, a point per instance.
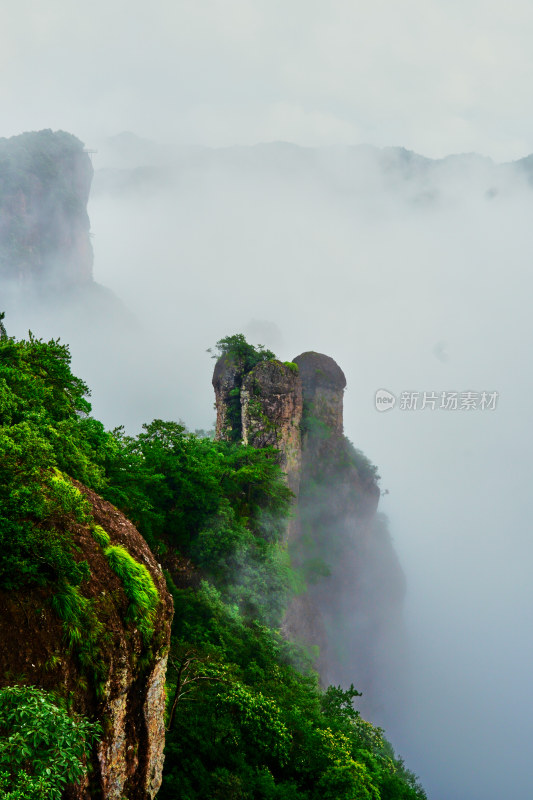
(235, 350)
(238, 349)
(42, 747)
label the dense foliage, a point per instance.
(221, 504)
(246, 715)
(237, 348)
(42, 430)
(42, 747)
(45, 436)
(252, 722)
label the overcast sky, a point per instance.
(422, 284)
(435, 76)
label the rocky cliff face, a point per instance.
(129, 701)
(323, 383)
(337, 539)
(355, 581)
(327, 456)
(46, 268)
(271, 407)
(227, 380)
(262, 407)
(45, 178)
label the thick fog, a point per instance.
(414, 275)
(415, 278)
(436, 77)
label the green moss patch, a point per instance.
(138, 587)
(137, 583)
(100, 536)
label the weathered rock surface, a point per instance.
(128, 761)
(323, 383)
(271, 408)
(227, 377)
(327, 456)
(359, 601)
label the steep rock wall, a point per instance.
(354, 577)
(323, 384)
(45, 178)
(337, 539)
(262, 408)
(128, 761)
(271, 409)
(327, 456)
(227, 379)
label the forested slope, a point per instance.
(245, 716)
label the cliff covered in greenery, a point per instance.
(84, 609)
(245, 715)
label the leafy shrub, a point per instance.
(65, 498)
(222, 504)
(30, 554)
(42, 748)
(237, 348)
(42, 431)
(366, 469)
(82, 631)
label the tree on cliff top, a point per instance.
(236, 351)
(237, 347)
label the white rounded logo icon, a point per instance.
(384, 400)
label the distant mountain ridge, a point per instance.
(127, 163)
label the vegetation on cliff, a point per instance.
(247, 717)
(43, 748)
(237, 353)
(45, 435)
(56, 612)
